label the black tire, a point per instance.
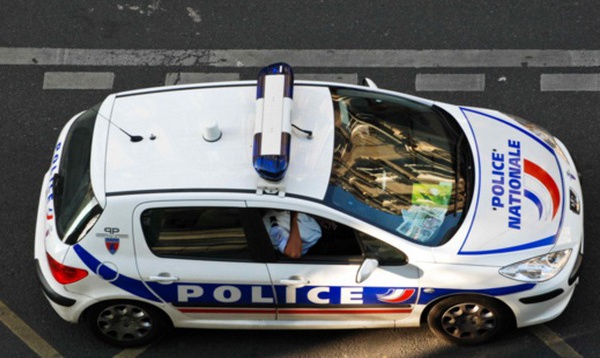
(469, 320)
(127, 323)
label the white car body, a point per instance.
(510, 218)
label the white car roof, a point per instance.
(178, 158)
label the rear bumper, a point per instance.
(49, 292)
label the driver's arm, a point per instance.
(293, 248)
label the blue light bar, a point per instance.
(272, 133)
(271, 167)
(280, 68)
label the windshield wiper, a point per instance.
(457, 170)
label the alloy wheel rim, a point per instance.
(469, 321)
(124, 322)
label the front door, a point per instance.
(329, 292)
(322, 284)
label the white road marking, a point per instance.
(407, 58)
(131, 352)
(175, 78)
(570, 82)
(350, 78)
(101, 57)
(554, 342)
(301, 58)
(450, 82)
(26, 334)
(310, 58)
(179, 78)
(79, 80)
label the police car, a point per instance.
(157, 209)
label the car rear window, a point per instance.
(74, 201)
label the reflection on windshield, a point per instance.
(395, 166)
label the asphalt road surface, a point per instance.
(537, 59)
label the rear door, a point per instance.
(198, 258)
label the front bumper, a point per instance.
(550, 298)
(556, 292)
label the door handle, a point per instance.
(294, 281)
(163, 277)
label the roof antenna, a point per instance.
(133, 138)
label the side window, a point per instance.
(383, 252)
(326, 241)
(342, 243)
(337, 242)
(202, 233)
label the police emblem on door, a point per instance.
(112, 244)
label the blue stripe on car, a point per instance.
(139, 288)
(131, 285)
(428, 294)
(536, 200)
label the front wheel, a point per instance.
(469, 320)
(127, 323)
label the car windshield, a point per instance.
(74, 201)
(400, 165)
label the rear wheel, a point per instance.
(127, 323)
(469, 320)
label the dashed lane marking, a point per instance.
(450, 82)
(570, 82)
(366, 58)
(26, 334)
(78, 80)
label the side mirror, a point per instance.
(369, 82)
(366, 269)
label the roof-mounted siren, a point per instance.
(272, 131)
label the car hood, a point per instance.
(518, 198)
